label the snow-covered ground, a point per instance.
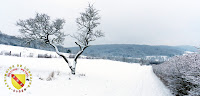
(94, 78)
(26, 52)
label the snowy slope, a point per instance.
(93, 78)
(25, 52)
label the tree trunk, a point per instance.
(63, 56)
(72, 67)
(75, 59)
(73, 71)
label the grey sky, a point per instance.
(152, 22)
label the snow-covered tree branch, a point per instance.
(87, 24)
(42, 29)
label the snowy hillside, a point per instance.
(93, 78)
(25, 52)
(17, 41)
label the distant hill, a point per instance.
(16, 41)
(133, 50)
(187, 48)
(112, 50)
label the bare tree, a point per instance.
(42, 29)
(50, 32)
(87, 23)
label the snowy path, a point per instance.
(103, 78)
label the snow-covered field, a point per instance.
(94, 78)
(26, 52)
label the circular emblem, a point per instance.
(18, 78)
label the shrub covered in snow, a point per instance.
(181, 74)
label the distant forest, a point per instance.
(135, 51)
(16, 41)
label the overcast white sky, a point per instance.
(152, 22)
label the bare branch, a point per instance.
(41, 28)
(87, 23)
(78, 45)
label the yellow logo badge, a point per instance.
(18, 78)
